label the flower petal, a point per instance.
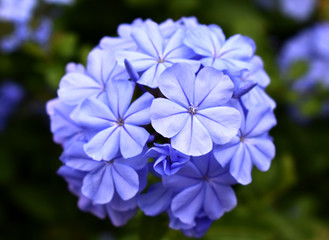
(104, 145)
(148, 38)
(93, 114)
(187, 204)
(212, 88)
(218, 199)
(222, 123)
(125, 180)
(98, 186)
(241, 165)
(262, 151)
(156, 200)
(224, 153)
(151, 76)
(167, 118)
(132, 140)
(193, 139)
(75, 87)
(177, 83)
(119, 95)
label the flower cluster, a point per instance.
(299, 10)
(177, 100)
(20, 13)
(308, 52)
(10, 95)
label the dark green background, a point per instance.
(290, 201)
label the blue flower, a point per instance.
(155, 53)
(17, 10)
(118, 210)
(193, 116)
(115, 124)
(209, 42)
(64, 129)
(101, 68)
(252, 145)
(299, 10)
(167, 160)
(10, 95)
(257, 75)
(197, 229)
(104, 178)
(202, 188)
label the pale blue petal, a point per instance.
(194, 63)
(101, 64)
(241, 165)
(119, 95)
(168, 118)
(187, 176)
(125, 180)
(255, 96)
(218, 199)
(137, 163)
(222, 123)
(187, 204)
(156, 200)
(120, 205)
(98, 186)
(177, 83)
(148, 38)
(203, 41)
(93, 114)
(262, 151)
(132, 140)
(224, 153)
(75, 87)
(260, 120)
(104, 145)
(140, 61)
(119, 218)
(139, 111)
(151, 76)
(212, 88)
(238, 47)
(194, 139)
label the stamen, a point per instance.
(192, 110)
(120, 122)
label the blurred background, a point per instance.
(290, 201)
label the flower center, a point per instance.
(120, 122)
(160, 60)
(192, 110)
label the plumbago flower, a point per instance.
(309, 52)
(20, 13)
(177, 100)
(193, 116)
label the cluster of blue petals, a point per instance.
(20, 13)
(299, 10)
(176, 100)
(310, 47)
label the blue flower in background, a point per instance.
(167, 161)
(115, 124)
(251, 146)
(308, 47)
(299, 10)
(17, 10)
(209, 42)
(10, 95)
(155, 53)
(193, 116)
